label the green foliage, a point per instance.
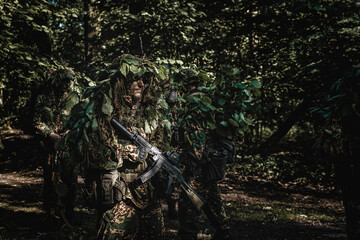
(292, 64)
(29, 34)
(294, 48)
(24, 37)
(221, 105)
(286, 167)
(168, 29)
(235, 98)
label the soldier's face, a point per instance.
(136, 90)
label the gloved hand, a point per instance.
(142, 153)
(173, 157)
(53, 137)
(175, 138)
(172, 98)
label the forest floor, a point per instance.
(257, 208)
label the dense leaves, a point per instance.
(219, 101)
(24, 39)
(294, 48)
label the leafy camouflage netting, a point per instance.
(61, 91)
(342, 113)
(219, 103)
(61, 74)
(110, 98)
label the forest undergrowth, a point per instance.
(258, 203)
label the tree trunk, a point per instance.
(91, 32)
(139, 41)
(286, 125)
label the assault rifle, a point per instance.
(159, 162)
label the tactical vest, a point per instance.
(122, 163)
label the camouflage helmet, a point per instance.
(60, 78)
(186, 77)
(189, 78)
(115, 81)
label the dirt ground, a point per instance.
(257, 208)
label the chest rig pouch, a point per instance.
(112, 188)
(214, 167)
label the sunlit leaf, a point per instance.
(107, 107)
(239, 85)
(255, 84)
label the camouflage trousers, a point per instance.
(213, 209)
(125, 221)
(59, 188)
(48, 192)
(69, 173)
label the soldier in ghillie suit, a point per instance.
(127, 91)
(51, 110)
(210, 120)
(169, 111)
(204, 156)
(340, 143)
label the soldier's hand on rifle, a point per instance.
(142, 153)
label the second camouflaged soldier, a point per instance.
(204, 155)
(51, 111)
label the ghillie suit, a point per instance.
(340, 140)
(207, 130)
(111, 163)
(61, 91)
(169, 109)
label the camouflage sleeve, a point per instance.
(102, 147)
(162, 135)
